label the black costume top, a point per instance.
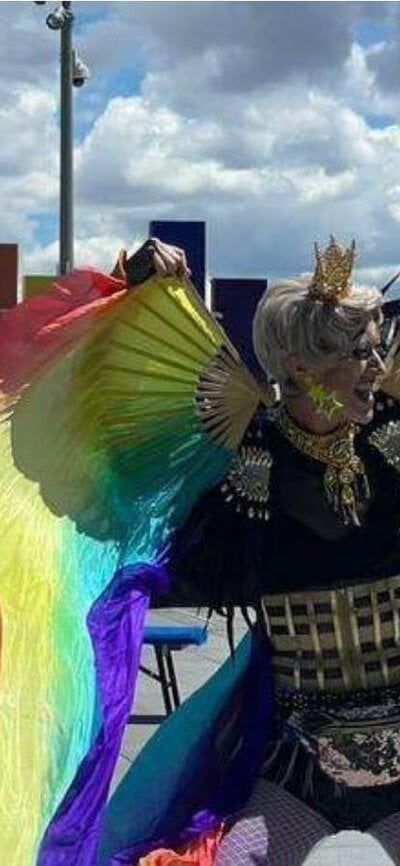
(227, 552)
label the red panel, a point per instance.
(8, 275)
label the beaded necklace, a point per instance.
(345, 478)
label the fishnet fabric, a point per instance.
(274, 829)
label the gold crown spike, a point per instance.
(331, 280)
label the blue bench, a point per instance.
(166, 639)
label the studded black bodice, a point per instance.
(269, 527)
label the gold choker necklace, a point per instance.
(345, 478)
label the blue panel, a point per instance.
(189, 235)
(235, 301)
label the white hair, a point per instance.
(289, 321)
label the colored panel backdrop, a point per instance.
(191, 236)
(8, 275)
(35, 284)
(235, 302)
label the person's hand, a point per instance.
(168, 260)
(153, 257)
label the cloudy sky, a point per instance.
(276, 122)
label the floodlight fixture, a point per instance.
(59, 17)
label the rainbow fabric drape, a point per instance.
(103, 453)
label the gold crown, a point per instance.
(331, 280)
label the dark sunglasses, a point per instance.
(389, 334)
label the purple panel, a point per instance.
(235, 300)
(189, 235)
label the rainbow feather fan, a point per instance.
(119, 408)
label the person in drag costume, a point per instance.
(143, 465)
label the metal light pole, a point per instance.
(72, 73)
(66, 261)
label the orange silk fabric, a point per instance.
(200, 852)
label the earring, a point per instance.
(326, 403)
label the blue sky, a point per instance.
(369, 33)
(275, 122)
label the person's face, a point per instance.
(354, 379)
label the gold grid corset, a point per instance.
(336, 639)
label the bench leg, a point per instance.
(172, 677)
(163, 673)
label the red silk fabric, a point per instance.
(42, 329)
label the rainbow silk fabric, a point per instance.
(102, 456)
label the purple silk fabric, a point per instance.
(116, 623)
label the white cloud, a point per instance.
(318, 186)
(320, 168)
(28, 160)
(257, 117)
(97, 250)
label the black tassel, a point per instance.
(388, 285)
(244, 610)
(230, 615)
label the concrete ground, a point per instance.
(194, 666)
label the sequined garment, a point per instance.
(352, 739)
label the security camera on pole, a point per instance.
(73, 72)
(80, 72)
